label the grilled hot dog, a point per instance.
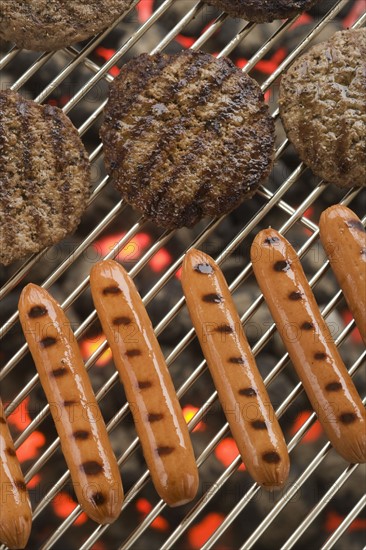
(149, 388)
(344, 240)
(16, 512)
(309, 344)
(79, 423)
(229, 358)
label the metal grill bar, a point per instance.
(272, 200)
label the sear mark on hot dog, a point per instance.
(19, 484)
(271, 240)
(296, 295)
(121, 321)
(282, 265)
(333, 386)
(155, 417)
(307, 325)
(348, 418)
(69, 402)
(259, 425)
(212, 298)
(144, 384)
(226, 329)
(37, 311)
(2, 420)
(236, 360)
(10, 452)
(48, 341)
(355, 224)
(271, 457)
(164, 451)
(204, 269)
(133, 352)
(320, 355)
(58, 373)
(111, 290)
(81, 435)
(98, 498)
(92, 467)
(248, 392)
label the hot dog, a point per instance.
(239, 385)
(16, 511)
(344, 240)
(78, 420)
(309, 343)
(149, 388)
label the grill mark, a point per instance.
(69, 402)
(307, 325)
(271, 240)
(259, 425)
(164, 450)
(81, 435)
(48, 341)
(212, 298)
(37, 311)
(133, 353)
(121, 321)
(333, 386)
(203, 268)
(247, 392)
(10, 452)
(348, 418)
(236, 360)
(2, 420)
(57, 143)
(98, 498)
(111, 290)
(295, 296)
(224, 329)
(271, 457)
(92, 467)
(355, 224)
(144, 384)
(20, 485)
(282, 265)
(155, 417)
(320, 355)
(60, 372)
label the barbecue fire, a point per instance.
(89, 345)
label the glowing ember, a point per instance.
(131, 251)
(144, 507)
(189, 412)
(333, 520)
(89, 346)
(160, 260)
(313, 433)
(32, 483)
(355, 334)
(200, 533)
(63, 505)
(227, 451)
(20, 418)
(106, 54)
(31, 447)
(145, 9)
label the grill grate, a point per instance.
(275, 202)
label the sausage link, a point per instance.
(344, 240)
(239, 385)
(150, 392)
(309, 343)
(75, 411)
(16, 511)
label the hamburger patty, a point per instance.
(323, 108)
(186, 136)
(53, 24)
(44, 176)
(262, 10)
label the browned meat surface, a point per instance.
(262, 10)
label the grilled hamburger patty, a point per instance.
(323, 108)
(262, 10)
(53, 24)
(44, 176)
(186, 136)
